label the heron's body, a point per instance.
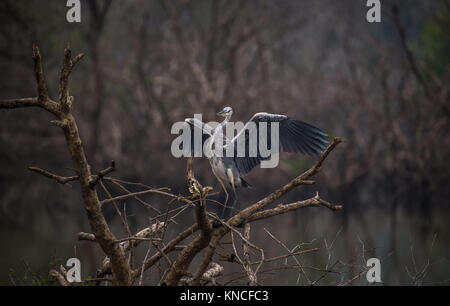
(225, 170)
(294, 136)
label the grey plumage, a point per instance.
(294, 136)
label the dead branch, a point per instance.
(116, 208)
(126, 245)
(171, 246)
(252, 274)
(60, 276)
(210, 276)
(59, 179)
(16, 103)
(284, 208)
(184, 259)
(207, 239)
(247, 214)
(63, 111)
(290, 254)
(134, 194)
(102, 173)
(86, 236)
(117, 183)
(295, 258)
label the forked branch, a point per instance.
(62, 109)
(208, 237)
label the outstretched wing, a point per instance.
(198, 128)
(294, 136)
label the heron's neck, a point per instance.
(225, 121)
(219, 131)
(221, 126)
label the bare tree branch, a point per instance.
(204, 236)
(104, 236)
(16, 103)
(59, 277)
(184, 259)
(59, 179)
(244, 216)
(284, 208)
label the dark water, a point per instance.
(403, 245)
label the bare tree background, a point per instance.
(383, 87)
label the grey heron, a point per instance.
(293, 136)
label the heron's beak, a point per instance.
(222, 113)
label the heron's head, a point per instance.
(225, 112)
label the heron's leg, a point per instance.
(226, 199)
(226, 192)
(228, 209)
(231, 179)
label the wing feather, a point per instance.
(294, 135)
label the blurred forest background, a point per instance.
(383, 87)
